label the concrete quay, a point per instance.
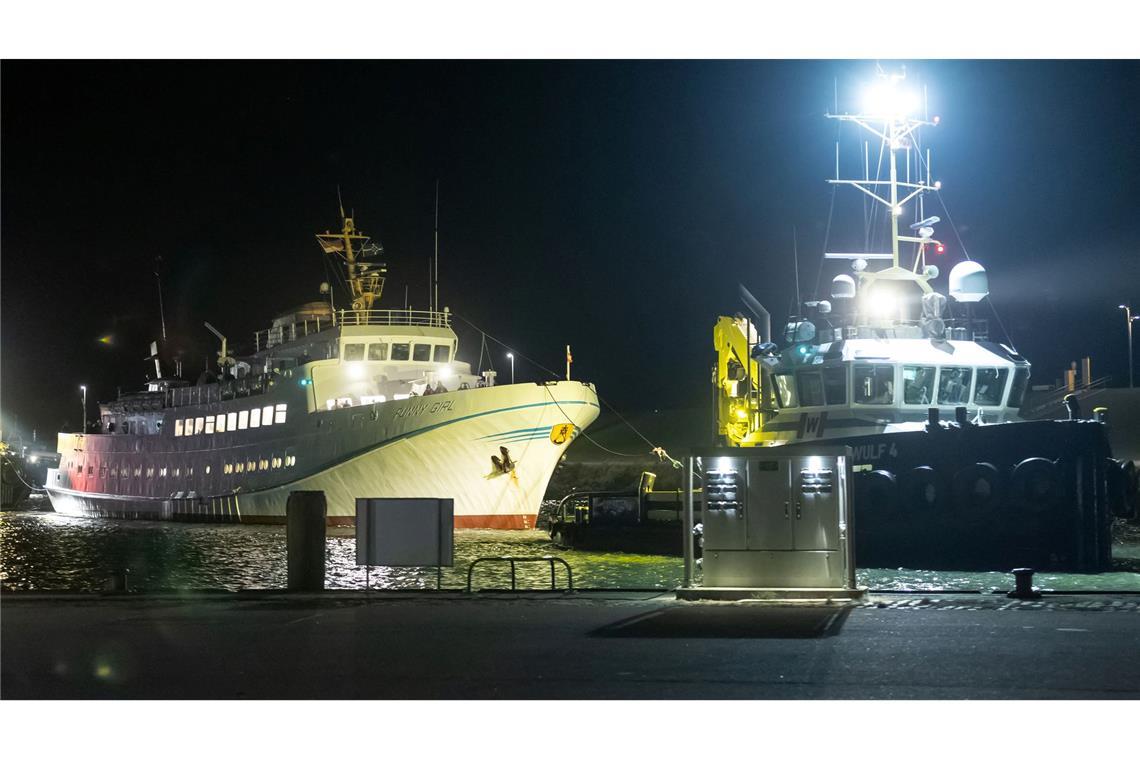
(613, 645)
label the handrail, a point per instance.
(285, 333)
(513, 560)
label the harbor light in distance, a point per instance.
(512, 359)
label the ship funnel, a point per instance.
(968, 282)
(843, 286)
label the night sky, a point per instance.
(613, 206)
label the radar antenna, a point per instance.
(365, 278)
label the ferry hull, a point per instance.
(439, 447)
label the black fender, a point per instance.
(1036, 484)
(977, 486)
(876, 491)
(922, 489)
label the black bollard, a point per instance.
(1023, 584)
(305, 540)
(1101, 414)
(932, 418)
(960, 416)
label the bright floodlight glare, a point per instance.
(898, 210)
(510, 356)
(881, 303)
(884, 99)
(445, 373)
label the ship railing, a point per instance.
(193, 395)
(514, 579)
(401, 317)
(278, 334)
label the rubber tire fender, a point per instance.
(966, 486)
(879, 488)
(922, 489)
(1026, 484)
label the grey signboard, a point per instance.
(405, 532)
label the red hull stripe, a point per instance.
(497, 522)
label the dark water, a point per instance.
(46, 551)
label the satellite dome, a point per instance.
(824, 307)
(843, 286)
(968, 282)
(799, 332)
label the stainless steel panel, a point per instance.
(815, 494)
(770, 506)
(772, 569)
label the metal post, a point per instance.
(83, 426)
(305, 513)
(512, 358)
(687, 523)
(1128, 316)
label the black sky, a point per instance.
(610, 205)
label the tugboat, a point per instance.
(947, 474)
(357, 402)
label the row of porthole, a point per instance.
(260, 465)
(275, 463)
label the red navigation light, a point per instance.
(940, 248)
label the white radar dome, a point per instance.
(843, 286)
(968, 282)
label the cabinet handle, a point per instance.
(799, 510)
(786, 516)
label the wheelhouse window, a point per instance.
(279, 417)
(255, 417)
(874, 384)
(377, 352)
(954, 386)
(220, 423)
(401, 352)
(1017, 390)
(989, 386)
(199, 425)
(266, 416)
(231, 421)
(421, 352)
(178, 427)
(243, 419)
(835, 385)
(918, 385)
(785, 391)
(442, 354)
(353, 352)
(210, 425)
(810, 387)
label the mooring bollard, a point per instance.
(305, 540)
(1023, 584)
(117, 580)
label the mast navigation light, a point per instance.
(940, 248)
(898, 210)
(937, 184)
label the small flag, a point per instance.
(569, 358)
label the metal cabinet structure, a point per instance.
(776, 520)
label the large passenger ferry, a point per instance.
(357, 402)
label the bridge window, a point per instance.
(401, 352)
(785, 391)
(353, 352)
(918, 385)
(280, 417)
(266, 415)
(442, 354)
(377, 352)
(255, 417)
(835, 385)
(199, 425)
(243, 420)
(220, 423)
(210, 425)
(178, 427)
(954, 386)
(989, 387)
(874, 384)
(810, 387)
(421, 352)
(231, 421)
(1017, 390)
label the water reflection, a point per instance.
(46, 551)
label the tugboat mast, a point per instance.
(887, 116)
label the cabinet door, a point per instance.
(770, 509)
(815, 497)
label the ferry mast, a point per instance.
(365, 279)
(887, 116)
